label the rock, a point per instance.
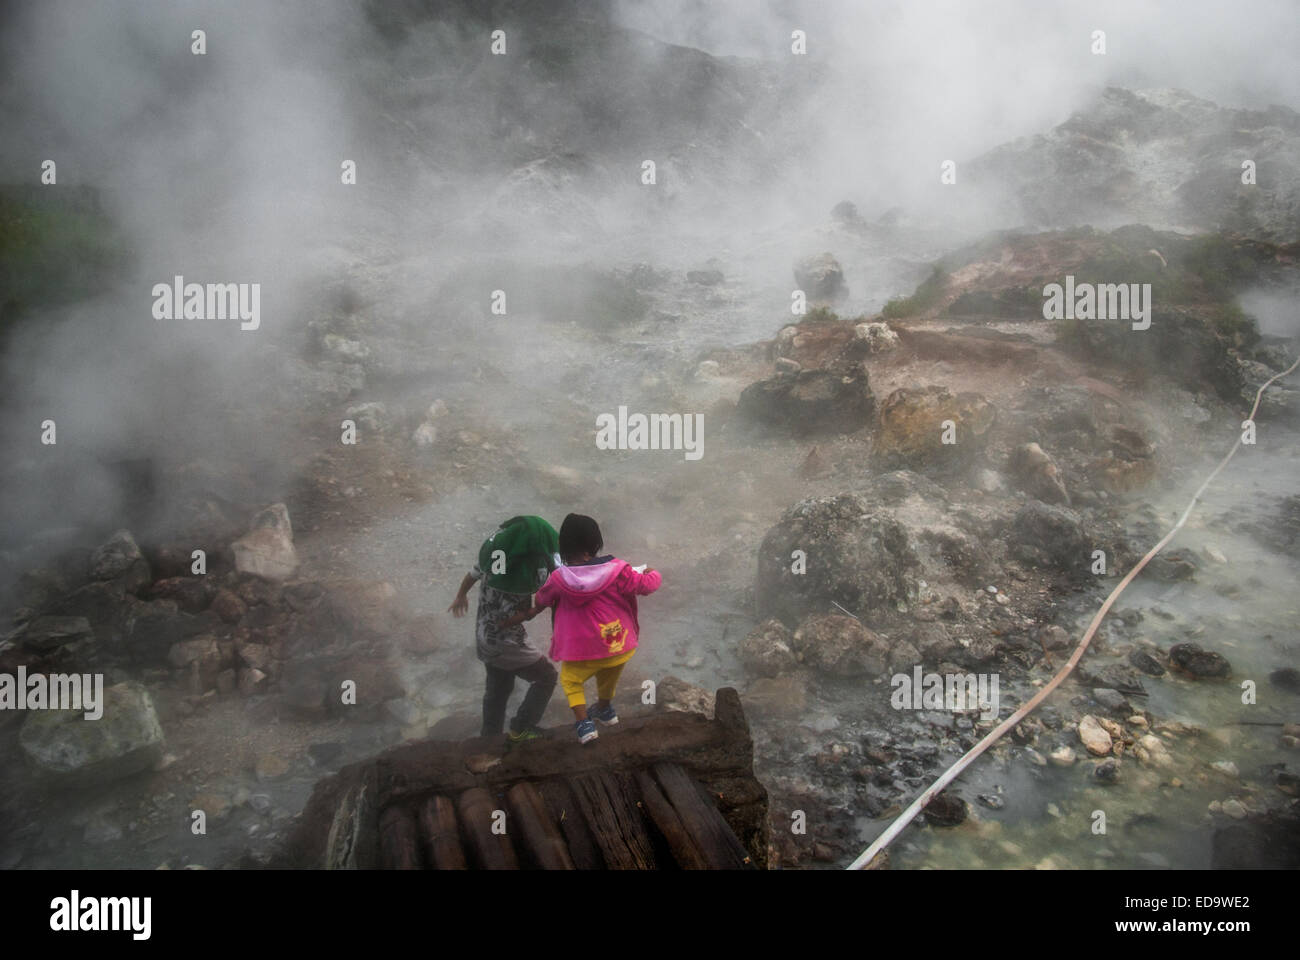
(1227, 768)
(856, 555)
(119, 557)
(250, 681)
(403, 711)
(674, 693)
(267, 549)
(810, 402)
(324, 753)
(777, 696)
(705, 278)
(878, 337)
(1054, 637)
(841, 646)
(991, 800)
(1146, 663)
(127, 739)
(708, 370)
(814, 465)
(152, 629)
(820, 277)
(767, 650)
(1111, 699)
(1199, 663)
(47, 634)
(1033, 470)
(1094, 737)
(1054, 533)
(190, 593)
(259, 802)
(914, 427)
(1234, 809)
(199, 658)
(1288, 678)
(1063, 756)
(1107, 771)
(481, 762)
(214, 805)
(1172, 567)
(270, 766)
(256, 655)
(425, 435)
(1121, 678)
(228, 606)
(945, 810)
(369, 417)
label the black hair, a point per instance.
(579, 535)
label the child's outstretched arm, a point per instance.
(642, 583)
(461, 603)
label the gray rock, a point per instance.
(127, 739)
(46, 634)
(767, 650)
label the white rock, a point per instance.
(1063, 757)
(1094, 736)
(426, 434)
(1234, 809)
(1227, 767)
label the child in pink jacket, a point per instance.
(595, 632)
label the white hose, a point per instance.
(906, 817)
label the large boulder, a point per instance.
(851, 553)
(267, 549)
(811, 401)
(75, 751)
(916, 422)
(768, 650)
(1048, 534)
(1034, 471)
(820, 277)
(841, 646)
(120, 558)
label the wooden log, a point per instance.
(441, 835)
(564, 809)
(606, 801)
(398, 841)
(706, 826)
(488, 851)
(536, 834)
(664, 817)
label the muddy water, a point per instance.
(1246, 609)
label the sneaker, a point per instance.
(586, 730)
(523, 736)
(608, 716)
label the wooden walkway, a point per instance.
(669, 791)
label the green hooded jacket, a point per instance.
(531, 547)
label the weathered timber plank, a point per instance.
(707, 827)
(398, 840)
(534, 830)
(664, 817)
(488, 850)
(441, 835)
(608, 805)
(566, 811)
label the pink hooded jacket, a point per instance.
(595, 608)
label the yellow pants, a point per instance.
(574, 673)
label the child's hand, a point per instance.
(459, 605)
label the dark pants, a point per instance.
(541, 677)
